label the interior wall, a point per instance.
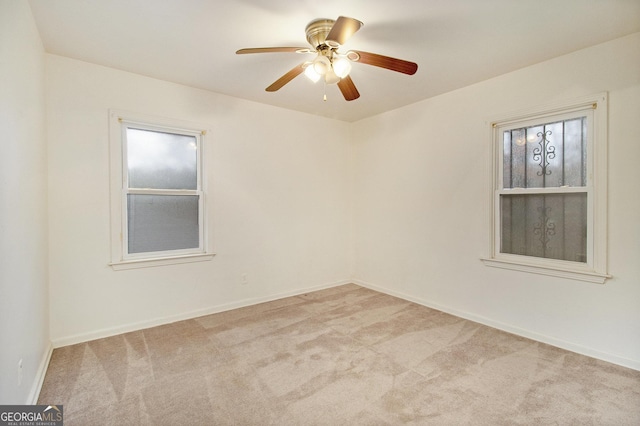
(422, 197)
(279, 207)
(282, 214)
(24, 305)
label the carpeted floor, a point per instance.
(342, 356)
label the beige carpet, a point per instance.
(342, 356)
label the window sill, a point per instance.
(161, 261)
(573, 274)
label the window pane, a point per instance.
(162, 222)
(575, 151)
(545, 156)
(160, 160)
(548, 226)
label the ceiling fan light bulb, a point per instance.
(321, 65)
(342, 67)
(311, 74)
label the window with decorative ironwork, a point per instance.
(549, 195)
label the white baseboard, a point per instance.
(562, 344)
(126, 328)
(32, 399)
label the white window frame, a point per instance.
(119, 121)
(595, 268)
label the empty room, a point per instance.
(320, 213)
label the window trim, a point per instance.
(120, 259)
(595, 270)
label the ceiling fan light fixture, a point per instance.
(311, 73)
(342, 67)
(321, 65)
(330, 77)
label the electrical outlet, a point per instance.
(245, 279)
(20, 372)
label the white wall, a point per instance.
(421, 206)
(24, 305)
(280, 205)
(397, 201)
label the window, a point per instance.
(549, 191)
(158, 201)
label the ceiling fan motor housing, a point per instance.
(317, 31)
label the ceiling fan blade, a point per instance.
(293, 73)
(348, 89)
(341, 30)
(274, 50)
(382, 61)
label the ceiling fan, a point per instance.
(325, 37)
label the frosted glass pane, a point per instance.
(160, 160)
(534, 175)
(549, 226)
(575, 151)
(549, 155)
(162, 222)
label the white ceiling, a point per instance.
(454, 42)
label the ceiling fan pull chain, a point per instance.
(325, 92)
